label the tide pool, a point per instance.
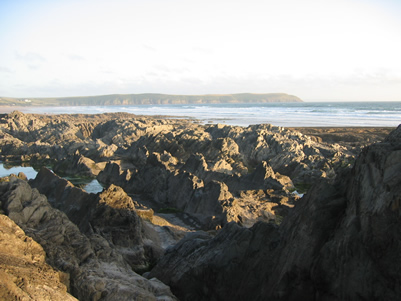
(89, 185)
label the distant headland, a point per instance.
(149, 99)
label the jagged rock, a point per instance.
(98, 269)
(115, 197)
(223, 148)
(24, 274)
(263, 177)
(138, 155)
(286, 151)
(222, 166)
(181, 190)
(110, 214)
(114, 174)
(210, 175)
(207, 204)
(107, 151)
(200, 267)
(79, 164)
(196, 164)
(340, 242)
(86, 129)
(149, 157)
(203, 200)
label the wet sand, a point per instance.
(352, 136)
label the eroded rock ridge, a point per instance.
(215, 173)
(99, 241)
(203, 212)
(340, 242)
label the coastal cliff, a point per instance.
(150, 99)
(206, 212)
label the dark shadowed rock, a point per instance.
(110, 214)
(340, 242)
(79, 164)
(226, 267)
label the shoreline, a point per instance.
(288, 115)
(183, 193)
(350, 135)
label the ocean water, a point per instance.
(326, 114)
(6, 170)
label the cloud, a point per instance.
(359, 85)
(5, 69)
(107, 71)
(30, 57)
(75, 57)
(149, 48)
(203, 50)
(32, 60)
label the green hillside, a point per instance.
(148, 98)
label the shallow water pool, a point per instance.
(89, 185)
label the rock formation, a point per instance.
(226, 149)
(100, 250)
(172, 163)
(340, 242)
(168, 178)
(24, 273)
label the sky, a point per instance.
(318, 50)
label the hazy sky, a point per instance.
(315, 49)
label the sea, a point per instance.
(300, 114)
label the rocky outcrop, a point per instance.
(340, 242)
(226, 267)
(99, 250)
(210, 197)
(112, 214)
(227, 149)
(79, 165)
(24, 273)
(172, 163)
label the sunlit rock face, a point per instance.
(24, 273)
(100, 250)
